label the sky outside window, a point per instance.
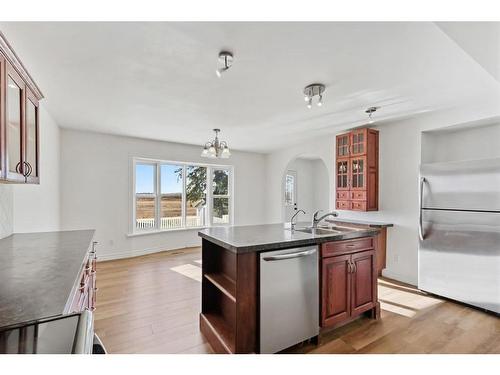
(144, 178)
(170, 178)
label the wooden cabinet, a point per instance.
(85, 296)
(356, 170)
(336, 286)
(228, 317)
(19, 120)
(348, 280)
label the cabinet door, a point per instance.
(357, 172)
(342, 174)
(31, 139)
(358, 141)
(342, 148)
(335, 290)
(14, 111)
(363, 282)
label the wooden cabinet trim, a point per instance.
(11, 56)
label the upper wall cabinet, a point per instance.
(356, 170)
(19, 120)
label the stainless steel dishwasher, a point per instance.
(289, 297)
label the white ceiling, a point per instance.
(157, 80)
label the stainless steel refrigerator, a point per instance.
(459, 229)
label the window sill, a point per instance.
(159, 231)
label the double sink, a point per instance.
(326, 230)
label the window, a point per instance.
(175, 195)
(145, 196)
(220, 188)
(290, 188)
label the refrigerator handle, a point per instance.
(420, 203)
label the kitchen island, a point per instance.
(45, 275)
(231, 288)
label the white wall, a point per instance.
(6, 210)
(400, 147)
(96, 189)
(465, 143)
(312, 177)
(35, 208)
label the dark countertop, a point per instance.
(39, 272)
(251, 238)
(372, 224)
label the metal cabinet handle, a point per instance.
(349, 267)
(354, 267)
(290, 256)
(421, 233)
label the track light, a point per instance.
(370, 111)
(316, 89)
(224, 63)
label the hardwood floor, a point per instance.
(150, 304)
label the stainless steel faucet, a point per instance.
(292, 224)
(316, 219)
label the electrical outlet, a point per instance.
(111, 243)
(396, 258)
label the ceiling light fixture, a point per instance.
(224, 63)
(216, 148)
(316, 89)
(370, 111)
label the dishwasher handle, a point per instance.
(299, 254)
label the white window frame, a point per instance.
(158, 163)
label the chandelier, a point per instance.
(216, 148)
(316, 89)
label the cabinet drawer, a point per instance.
(342, 195)
(337, 247)
(342, 205)
(358, 205)
(358, 195)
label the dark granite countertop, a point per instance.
(251, 238)
(39, 272)
(372, 224)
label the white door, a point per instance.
(290, 194)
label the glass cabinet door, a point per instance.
(343, 145)
(358, 173)
(14, 125)
(31, 137)
(342, 172)
(358, 142)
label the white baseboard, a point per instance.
(136, 253)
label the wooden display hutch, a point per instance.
(356, 170)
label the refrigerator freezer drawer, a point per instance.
(459, 257)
